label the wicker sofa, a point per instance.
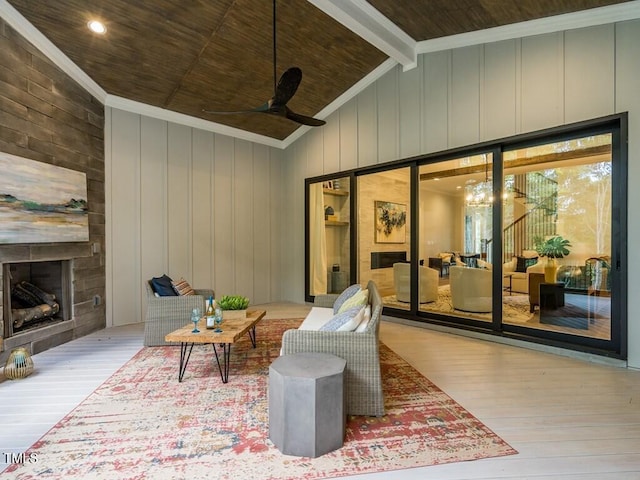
(363, 380)
(166, 314)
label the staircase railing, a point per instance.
(541, 193)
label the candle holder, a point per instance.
(19, 364)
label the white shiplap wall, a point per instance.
(467, 95)
(192, 204)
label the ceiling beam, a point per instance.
(361, 18)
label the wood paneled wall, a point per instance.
(192, 204)
(46, 116)
(468, 95)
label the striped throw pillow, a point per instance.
(182, 287)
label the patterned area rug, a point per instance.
(515, 308)
(142, 423)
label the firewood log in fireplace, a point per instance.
(30, 295)
(21, 316)
(37, 304)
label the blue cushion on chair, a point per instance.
(163, 287)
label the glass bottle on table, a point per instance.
(210, 313)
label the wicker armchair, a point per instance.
(363, 379)
(166, 314)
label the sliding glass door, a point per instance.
(557, 245)
(524, 237)
(455, 230)
(384, 234)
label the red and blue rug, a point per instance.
(141, 423)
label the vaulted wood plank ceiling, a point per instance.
(193, 55)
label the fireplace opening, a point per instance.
(36, 294)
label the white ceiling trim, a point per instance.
(42, 43)
(188, 121)
(568, 21)
(364, 20)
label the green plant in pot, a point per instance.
(233, 306)
(552, 248)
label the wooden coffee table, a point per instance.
(232, 331)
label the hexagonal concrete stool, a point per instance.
(307, 412)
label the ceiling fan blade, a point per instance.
(287, 87)
(303, 119)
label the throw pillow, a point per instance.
(344, 296)
(446, 257)
(357, 300)
(365, 321)
(522, 263)
(163, 287)
(344, 321)
(182, 287)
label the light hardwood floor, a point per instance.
(568, 418)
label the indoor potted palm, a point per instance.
(552, 248)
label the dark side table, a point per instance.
(551, 296)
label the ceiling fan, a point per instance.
(284, 90)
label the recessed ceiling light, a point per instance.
(97, 27)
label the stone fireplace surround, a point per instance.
(80, 320)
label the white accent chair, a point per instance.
(428, 283)
(470, 289)
(519, 281)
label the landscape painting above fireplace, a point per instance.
(41, 203)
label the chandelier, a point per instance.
(480, 194)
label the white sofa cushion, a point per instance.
(365, 320)
(316, 318)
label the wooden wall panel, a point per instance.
(223, 259)
(202, 200)
(367, 127)
(387, 107)
(278, 215)
(179, 202)
(464, 101)
(331, 143)
(435, 105)
(125, 281)
(208, 209)
(315, 151)
(153, 201)
(243, 230)
(542, 87)
(47, 117)
(292, 266)
(409, 121)
(261, 224)
(348, 135)
(499, 90)
(589, 84)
